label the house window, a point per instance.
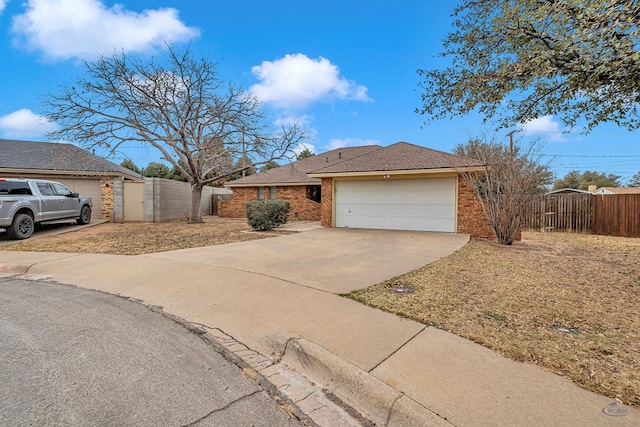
(272, 193)
(314, 193)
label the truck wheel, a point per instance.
(85, 215)
(21, 227)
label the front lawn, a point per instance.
(568, 303)
(143, 238)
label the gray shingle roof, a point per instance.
(58, 157)
(399, 157)
(296, 172)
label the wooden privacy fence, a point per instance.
(611, 214)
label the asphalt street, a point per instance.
(77, 357)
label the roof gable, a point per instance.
(401, 156)
(60, 157)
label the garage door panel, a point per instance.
(88, 188)
(411, 204)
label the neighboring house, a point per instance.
(79, 170)
(568, 191)
(617, 190)
(399, 187)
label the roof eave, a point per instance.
(18, 171)
(273, 184)
(451, 170)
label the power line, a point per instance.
(590, 156)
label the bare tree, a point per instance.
(198, 123)
(513, 172)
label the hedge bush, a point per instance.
(267, 214)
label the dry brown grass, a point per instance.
(142, 238)
(510, 299)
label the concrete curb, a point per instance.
(13, 268)
(371, 397)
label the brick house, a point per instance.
(399, 187)
(290, 182)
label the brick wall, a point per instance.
(301, 207)
(326, 210)
(471, 217)
(235, 208)
(106, 187)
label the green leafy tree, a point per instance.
(518, 60)
(582, 180)
(128, 163)
(269, 165)
(635, 180)
(157, 170)
(304, 154)
(176, 104)
(243, 167)
(511, 174)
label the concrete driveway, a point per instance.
(265, 291)
(336, 260)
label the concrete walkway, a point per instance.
(277, 299)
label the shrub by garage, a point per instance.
(267, 214)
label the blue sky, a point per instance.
(345, 69)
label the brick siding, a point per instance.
(106, 190)
(326, 210)
(302, 208)
(471, 217)
(235, 208)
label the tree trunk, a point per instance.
(196, 199)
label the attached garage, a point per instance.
(419, 204)
(88, 188)
(402, 187)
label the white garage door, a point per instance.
(88, 188)
(397, 204)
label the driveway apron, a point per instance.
(332, 260)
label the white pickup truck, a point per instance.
(27, 202)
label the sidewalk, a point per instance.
(393, 371)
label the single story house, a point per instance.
(78, 169)
(289, 182)
(399, 187)
(617, 190)
(568, 191)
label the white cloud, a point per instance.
(3, 3)
(25, 124)
(544, 126)
(85, 29)
(291, 119)
(297, 81)
(350, 142)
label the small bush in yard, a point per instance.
(267, 214)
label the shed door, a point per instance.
(133, 201)
(426, 204)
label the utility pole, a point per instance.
(510, 135)
(243, 156)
